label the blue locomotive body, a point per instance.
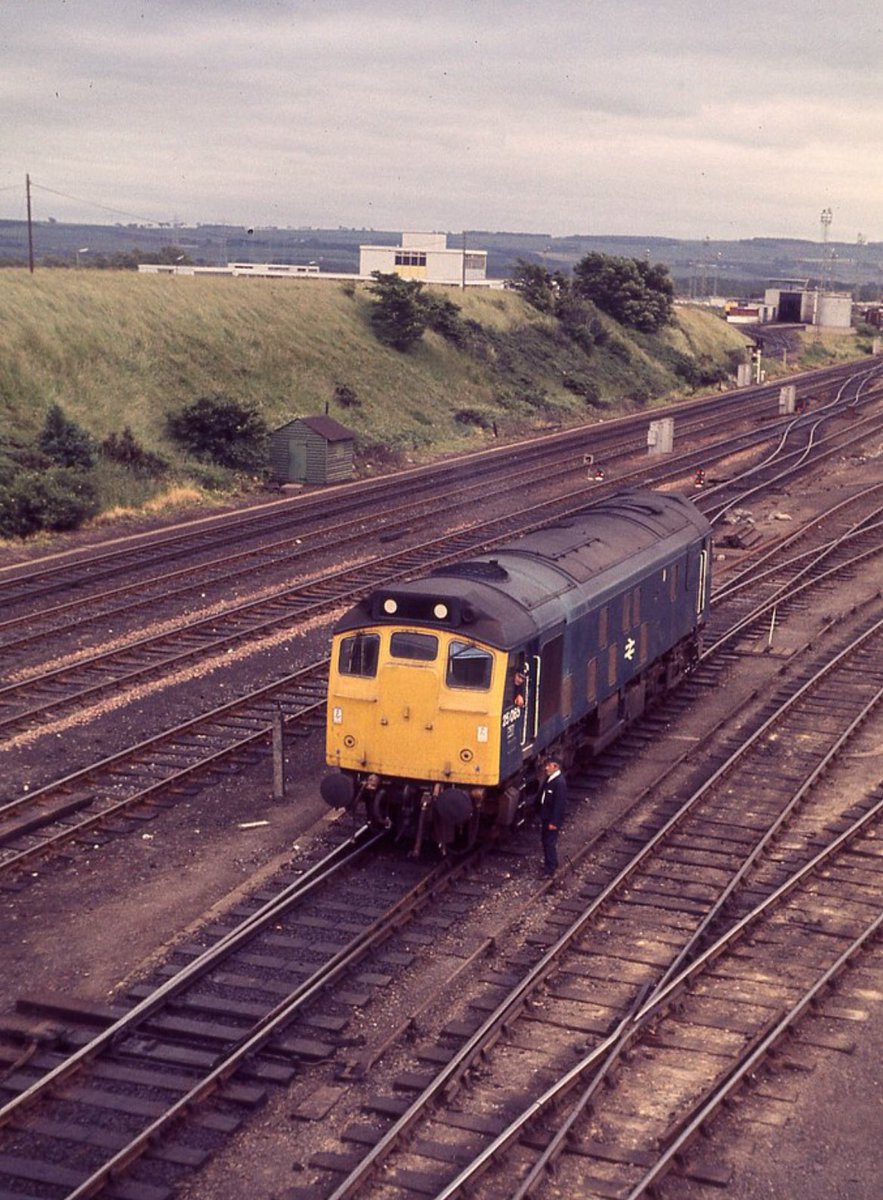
(551, 643)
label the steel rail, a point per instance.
(421, 478)
(339, 858)
(264, 1030)
(85, 777)
(808, 422)
(677, 975)
(754, 1060)
(647, 1010)
(746, 400)
(742, 578)
(294, 545)
(790, 591)
(559, 507)
(516, 999)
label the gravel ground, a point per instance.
(107, 915)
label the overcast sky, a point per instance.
(682, 118)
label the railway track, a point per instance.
(31, 696)
(47, 818)
(207, 1032)
(85, 570)
(637, 984)
(308, 526)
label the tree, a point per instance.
(222, 430)
(628, 289)
(443, 317)
(536, 285)
(65, 442)
(399, 315)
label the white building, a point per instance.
(426, 256)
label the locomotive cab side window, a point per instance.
(421, 647)
(359, 654)
(468, 667)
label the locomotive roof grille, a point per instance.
(487, 572)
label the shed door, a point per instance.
(297, 461)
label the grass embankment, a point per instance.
(115, 349)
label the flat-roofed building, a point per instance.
(427, 257)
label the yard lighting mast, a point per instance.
(826, 218)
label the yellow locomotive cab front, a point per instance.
(416, 705)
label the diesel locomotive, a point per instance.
(444, 692)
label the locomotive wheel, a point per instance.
(377, 809)
(455, 822)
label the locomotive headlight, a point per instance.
(440, 612)
(390, 607)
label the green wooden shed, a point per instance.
(312, 450)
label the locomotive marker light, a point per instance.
(390, 607)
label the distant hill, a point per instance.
(700, 268)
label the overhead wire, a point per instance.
(104, 207)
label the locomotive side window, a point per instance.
(423, 647)
(468, 667)
(359, 654)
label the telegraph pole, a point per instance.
(30, 226)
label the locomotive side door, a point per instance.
(532, 701)
(524, 674)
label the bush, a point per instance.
(123, 448)
(584, 388)
(65, 442)
(59, 498)
(223, 431)
(473, 416)
(443, 316)
(346, 396)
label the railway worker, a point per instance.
(552, 802)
